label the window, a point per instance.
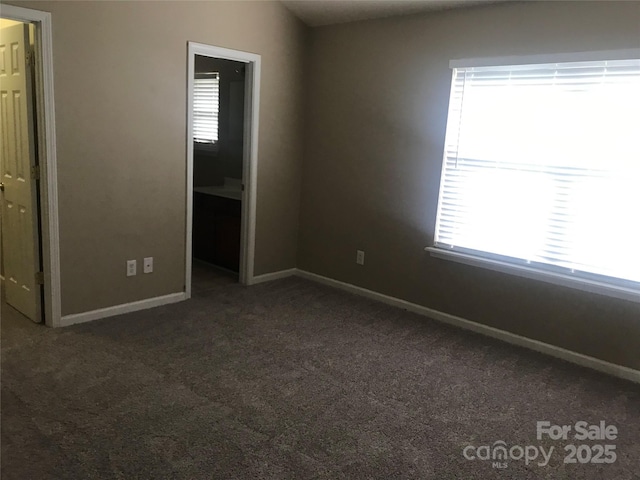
(541, 170)
(206, 107)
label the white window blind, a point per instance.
(542, 167)
(206, 107)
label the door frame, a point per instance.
(250, 155)
(46, 141)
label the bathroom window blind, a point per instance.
(542, 167)
(206, 108)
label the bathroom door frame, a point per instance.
(250, 155)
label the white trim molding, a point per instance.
(46, 156)
(621, 54)
(512, 338)
(268, 277)
(121, 309)
(250, 159)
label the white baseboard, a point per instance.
(512, 338)
(267, 277)
(155, 302)
(120, 309)
(558, 352)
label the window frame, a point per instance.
(618, 288)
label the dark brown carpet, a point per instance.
(290, 380)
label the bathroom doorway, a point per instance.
(223, 99)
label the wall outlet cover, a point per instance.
(131, 268)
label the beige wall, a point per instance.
(120, 98)
(376, 113)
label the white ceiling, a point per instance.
(316, 13)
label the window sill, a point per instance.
(593, 286)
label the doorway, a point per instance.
(29, 247)
(222, 133)
(218, 130)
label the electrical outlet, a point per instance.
(359, 257)
(148, 265)
(131, 268)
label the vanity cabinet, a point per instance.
(216, 230)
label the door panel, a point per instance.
(20, 236)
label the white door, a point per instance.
(20, 236)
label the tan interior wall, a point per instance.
(120, 98)
(376, 114)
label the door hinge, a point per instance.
(39, 278)
(242, 187)
(30, 58)
(35, 172)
